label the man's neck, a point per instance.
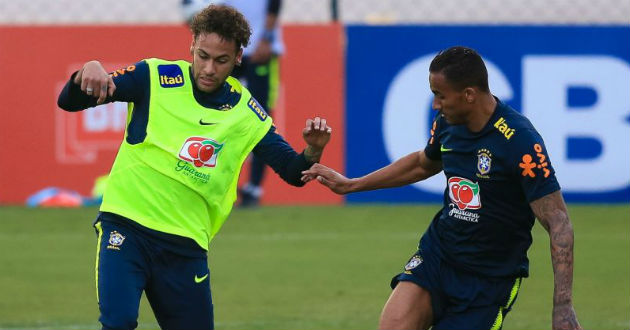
(481, 115)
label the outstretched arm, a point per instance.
(412, 168)
(91, 86)
(552, 215)
(274, 150)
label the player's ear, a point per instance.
(239, 56)
(470, 94)
(192, 46)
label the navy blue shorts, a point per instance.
(128, 263)
(460, 300)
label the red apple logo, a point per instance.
(454, 189)
(200, 151)
(464, 193)
(206, 152)
(193, 148)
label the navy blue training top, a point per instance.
(492, 175)
(134, 86)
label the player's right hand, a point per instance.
(336, 182)
(564, 318)
(95, 81)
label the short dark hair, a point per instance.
(462, 66)
(223, 20)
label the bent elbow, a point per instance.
(63, 104)
(298, 183)
(293, 180)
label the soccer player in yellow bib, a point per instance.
(173, 183)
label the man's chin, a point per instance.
(452, 121)
(447, 119)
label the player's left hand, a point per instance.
(564, 318)
(95, 81)
(316, 134)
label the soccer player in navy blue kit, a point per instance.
(470, 262)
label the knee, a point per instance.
(117, 320)
(395, 321)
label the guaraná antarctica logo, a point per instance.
(464, 195)
(200, 151)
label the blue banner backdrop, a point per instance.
(572, 82)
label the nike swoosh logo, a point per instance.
(442, 149)
(200, 279)
(201, 122)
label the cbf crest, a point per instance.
(413, 263)
(116, 239)
(484, 163)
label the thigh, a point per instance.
(121, 273)
(416, 299)
(179, 293)
(493, 300)
(423, 270)
(476, 318)
(408, 307)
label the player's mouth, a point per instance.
(207, 81)
(446, 117)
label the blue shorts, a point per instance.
(460, 300)
(129, 262)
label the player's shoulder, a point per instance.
(154, 61)
(512, 125)
(137, 69)
(234, 85)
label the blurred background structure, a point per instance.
(72, 12)
(564, 64)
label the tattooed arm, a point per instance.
(552, 214)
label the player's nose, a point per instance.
(436, 105)
(209, 69)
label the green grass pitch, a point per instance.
(300, 268)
